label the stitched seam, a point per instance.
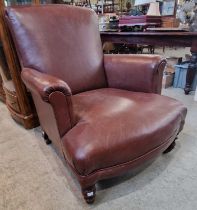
(122, 164)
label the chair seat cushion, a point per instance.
(116, 126)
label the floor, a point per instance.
(32, 177)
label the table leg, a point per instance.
(191, 73)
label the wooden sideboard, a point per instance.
(182, 39)
(18, 100)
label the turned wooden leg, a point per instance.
(46, 138)
(89, 194)
(192, 68)
(171, 147)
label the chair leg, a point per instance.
(89, 194)
(46, 138)
(171, 147)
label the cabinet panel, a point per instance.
(18, 99)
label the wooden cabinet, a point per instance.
(18, 100)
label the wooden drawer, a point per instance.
(12, 101)
(2, 95)
(11, 98)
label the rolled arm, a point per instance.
(43, 84)
(56, 93)
(141, 73)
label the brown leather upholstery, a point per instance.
(111, 121)
(60, 50)
(104, 115)
(144, 76)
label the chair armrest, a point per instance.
(48, 89)
(43, 84)
(141, 73)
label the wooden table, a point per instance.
(181, 39)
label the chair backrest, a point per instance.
(59, 40)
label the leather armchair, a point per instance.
(103, 113)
